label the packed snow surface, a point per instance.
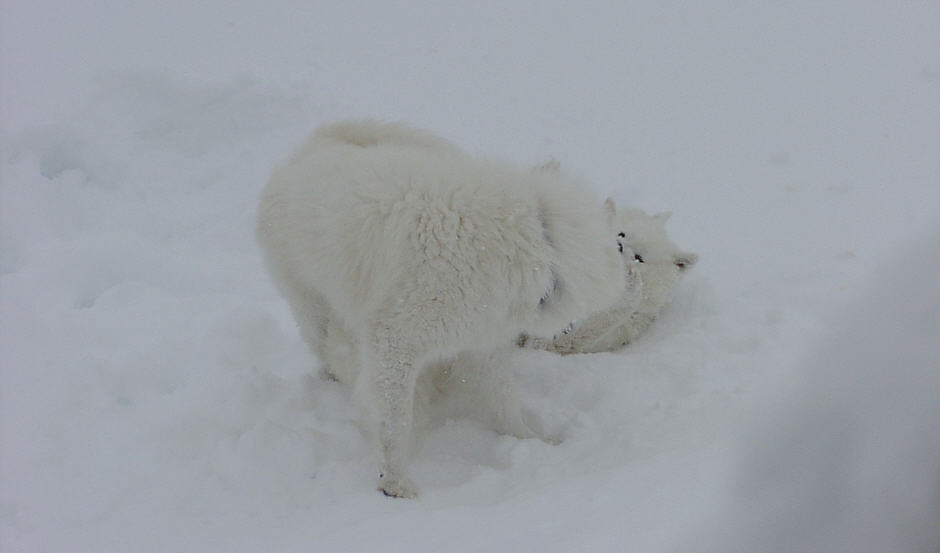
(155, 394)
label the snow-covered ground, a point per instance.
(156, 396)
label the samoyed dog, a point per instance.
(659, 264)
(417, 253)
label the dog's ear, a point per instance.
(661, 218)
(685, 260)
(610, 207)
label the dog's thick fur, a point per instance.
(417, 252)
(655, 271)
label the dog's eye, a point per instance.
(622, 235)
(638, 257)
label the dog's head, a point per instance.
(645, 236)
(642, 238)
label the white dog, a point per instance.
(659, 265)
(420, 252)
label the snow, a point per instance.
(155, 394)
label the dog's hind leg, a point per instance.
(312, 314)
(391, 361)
(339, 352)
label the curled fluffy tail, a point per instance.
(370, 133)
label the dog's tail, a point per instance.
(371, 133)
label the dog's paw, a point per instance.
(397, 486)
(523, 426)
(517, 429)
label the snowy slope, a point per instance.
(155, 394)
